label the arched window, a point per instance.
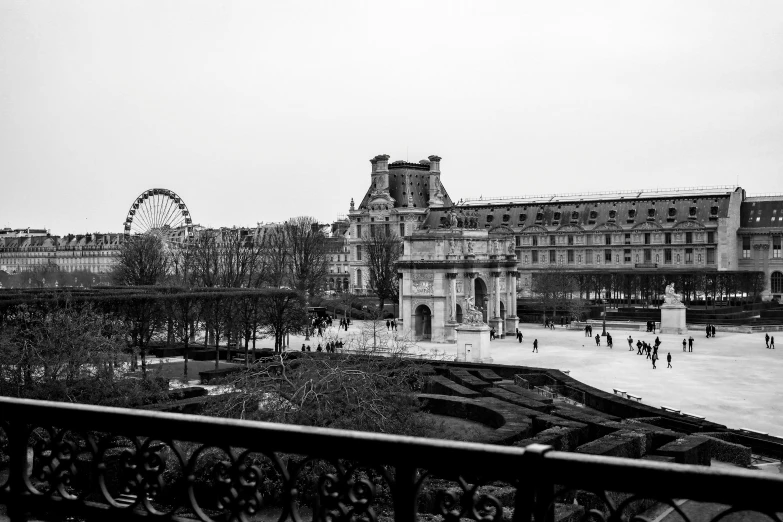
(359, 278)
(777, 282)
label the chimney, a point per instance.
(434, 180)
(380, 173)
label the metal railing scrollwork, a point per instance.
(93, 463)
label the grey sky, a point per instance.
(258, 111)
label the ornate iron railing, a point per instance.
(88, 462)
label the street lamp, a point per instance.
(603, 334)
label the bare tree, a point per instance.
(382, 252)
(308, 260)
(555, 287)
(142, 260)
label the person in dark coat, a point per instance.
(388, 325)
(709, 330)
(639, 346)
(772, 342)
(684, 344)
(535, 345)
(690, 343)
(597, 340)
(766, 339)
(630, 344)
(519, 336)
(654, 358)
(669, 359)
(303, 347)
(713, 330)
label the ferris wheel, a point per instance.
(162, 212)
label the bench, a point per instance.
(239, 360)
(634, 397)
(670, 410)
(691, 415)
(619, 392)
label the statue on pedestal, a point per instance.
(670, 296)
(473, 315)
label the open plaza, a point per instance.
(731, 379)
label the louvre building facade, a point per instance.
(659, 233)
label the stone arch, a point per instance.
(776, 282)
(422, 322)
(481, 292)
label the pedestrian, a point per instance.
(690, 343)
(319, 349)
(649, 351)
(653, 326)
(708, 331)
(669, 359)
(766, 338)
(654, 357)
(535, 345)
(772, 342)
(713, 331)
(591, 330)
(519, 336)
(639, 346)
(597, 340)
(492, 334)
(303, 347)
(308, 348)
(388, 325)
(657, 341)
(630, 344)
(608, 340)
(684, 343)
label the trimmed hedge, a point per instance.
(722, 449)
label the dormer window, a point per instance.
(506, 217)
(522, 217)
(632, 213)
(692, 212)
(574, 216)
(612, 214)
(650, 213)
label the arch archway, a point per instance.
(422, 323)
(502, 311)
(482, 297)
(776, 282)
(459, 314)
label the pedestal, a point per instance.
(473, 343)
(450, 331)
(673, 319)
(512, 323)
(497, 324)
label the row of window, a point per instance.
(776, 247)
(374, 229)
(608, 239)
(609, 256)
(593, 215)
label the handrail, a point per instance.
(76, 481)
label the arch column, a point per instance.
(512, 321)
(451, 324)
(496, 321)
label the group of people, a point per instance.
(770, 341)
(588, 330)
(651, 326)
(344, 323)
(650, 350)
(710, 330)
(689, 344)
(391, 325)
(330, 347)
(609, 342)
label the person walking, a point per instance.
(772, 342)
(669, 359)
(684, 344)
(388, 325)
(303, 347)
(654, 357)
(609, 340)
(519, 336)
(639, 346)
(649, 351)
(653, 326)
(708, 331)
(535, 345)
(492, 334)
(713, 331)
(766, 339)
(690, 343)
(597, 340)
(630, 344)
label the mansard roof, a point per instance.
(417, 174)
(762, 212)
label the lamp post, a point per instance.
(603, 334)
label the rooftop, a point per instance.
(678, 192)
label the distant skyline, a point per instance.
(260, 111)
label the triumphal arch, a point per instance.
(449, 271)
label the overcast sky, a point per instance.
(258, 111)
